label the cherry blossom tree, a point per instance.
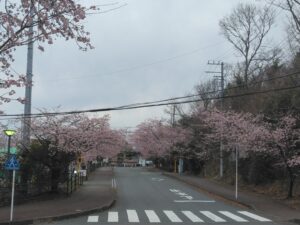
(154, 138)
(49, 19)
(90, 137)
(65, 138)
(286, 143)
(251, 134)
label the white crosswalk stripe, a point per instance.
(253, 216)
(113, 217)
(152, 216)
(212, 216)
(184, 216)
(192, 216)
(132, 216)
(93, 219)
(172, 216)
(233, 216)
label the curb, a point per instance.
(211, 193)
(67, 215)
(61, 217)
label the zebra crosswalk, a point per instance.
(152, 216)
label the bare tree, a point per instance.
(207, 91)
(293, 6)
(293, 28)
(246, 28)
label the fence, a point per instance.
(73, 182)
(34, 190)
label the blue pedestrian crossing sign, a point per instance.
(12, 163)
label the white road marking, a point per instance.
(192, 216)
(157, 179)
(113, 183)
(212, 216)
(93, 219)
(152, 216)
(172, 216)
(254, 216)
(113, 217)
(232, 216)
(132, 216)
(181, 194)
(203, 201)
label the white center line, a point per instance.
(204, 201)
(254, 216)
(172, 216)
(152, 216)
(192, 216)
(212, 216)
(113, 217)
(93, 219)
(132, 216)
(232, 216)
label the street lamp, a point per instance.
(9, 133)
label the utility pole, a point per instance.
(178, 168)
(173, 125)
(173, 116)
(221, 77)
(236, 171)
(28, 90)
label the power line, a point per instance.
(168, 101)
(211, 92)
(161, 61)
(144, 104)
(34, 115)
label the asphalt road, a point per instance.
(148, 197)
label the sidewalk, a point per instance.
(271, 208)
(96, 194)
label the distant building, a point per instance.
(142, 162)
(131, 162)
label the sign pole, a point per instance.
(12, 196)
(236, 172)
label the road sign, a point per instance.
(12, 163)
(83, 173)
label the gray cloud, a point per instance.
(126, 40)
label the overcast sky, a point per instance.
(147, 50)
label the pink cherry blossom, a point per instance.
(154, 138)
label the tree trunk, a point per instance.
(291, 185)
(54, 180)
